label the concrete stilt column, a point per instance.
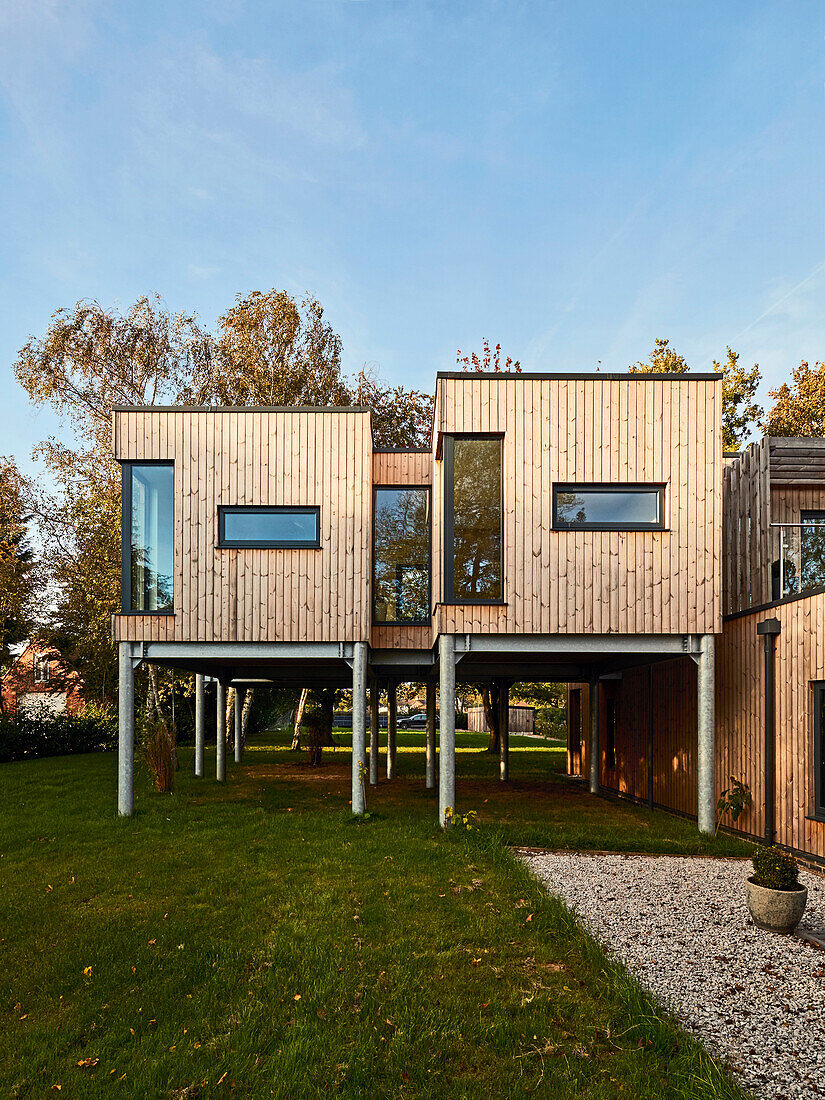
(446, 754)
(359, 724)
(706, 723)
(504, 731)
(200, 724)
(594, 737)
(392, 727)
(220, 704)
(430, 735)
(375, 735)
(239, 696)
(125, 732)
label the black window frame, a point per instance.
(126, 535)
(818, 813)
(268, 544)
(448, 473)
(404, 622)
(658, 487)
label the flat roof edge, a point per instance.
(589, 376)
(243, 408)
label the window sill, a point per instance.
(816, 817)
(473, 603)
(614, 530)
(123, 613)
(267, 546)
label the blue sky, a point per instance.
(569, 179)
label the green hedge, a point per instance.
(90, 730)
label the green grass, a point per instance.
(252, 941)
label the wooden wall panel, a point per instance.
(588, 430)
(254, 456)
(402, 468)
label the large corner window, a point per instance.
(269, 526)
(473, 519)
(401, 555)
(609, 507)
(148, 533)
(819, 751)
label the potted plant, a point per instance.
(776, 899)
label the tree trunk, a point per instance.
(299, 714)
(230, 717)
(489, 700)
(246, 713)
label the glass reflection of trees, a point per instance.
(803, 567)
(152, 530)
(401, 540)
(477, 520)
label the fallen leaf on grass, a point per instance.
(87, 970)
(88, 1063)
(223, 1077)
(529, 918)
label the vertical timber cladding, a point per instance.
(630, 428)
(260, 456)
(674, 740)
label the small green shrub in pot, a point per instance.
(775, 869)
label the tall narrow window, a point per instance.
(610, 730)
(473, 519)
(819, 751)
(148, 533)
(401, 555)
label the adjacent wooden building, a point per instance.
(770, 665)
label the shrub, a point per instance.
(159, 753)
(775, 869)
(92, 729)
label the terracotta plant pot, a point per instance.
(776, 910)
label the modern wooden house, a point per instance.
(770, 665)
(557, 527)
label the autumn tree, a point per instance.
(662, 360)
(799, 408)
(489, 361)
(18, 580)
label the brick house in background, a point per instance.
(40, 680)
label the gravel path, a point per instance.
(756, 999)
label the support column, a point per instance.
(375, 734)
(200, 724)
(239, 695)
(594, 737)
(650, 772)
(430, 735)
(770, 629)
(504, 731)
(359, 725)
(705, 730)
(392, 727)
(220, 704)
(125, 731)
(446, 703)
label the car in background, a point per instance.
(415, 721)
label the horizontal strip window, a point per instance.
(269, 526)
(603, 507)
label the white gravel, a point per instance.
(681, 925)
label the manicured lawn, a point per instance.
(251, 941)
